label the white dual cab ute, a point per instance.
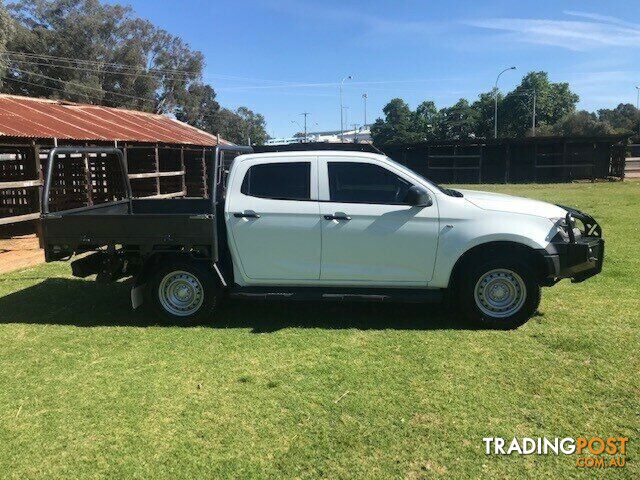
(332, 225)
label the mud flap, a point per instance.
(137, 295)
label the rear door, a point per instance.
(369, 235)
(273, 218)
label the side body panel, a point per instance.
(283, 243)
(381, 244)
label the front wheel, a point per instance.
(500, 294)
(182, 292)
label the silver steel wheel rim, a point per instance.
(181, 293)
(500, 293)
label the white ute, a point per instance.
(335, 225)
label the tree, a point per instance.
(89, 52)
(484, 109)
(200, 107)
(581, 123)
(240, 126)
(554, 101)
(458, 121)
(401, 125)
(202, 110)
(115, 58)
(625, 118)
(555, 114)
(427, 118)
(254, 126)
(6, 31)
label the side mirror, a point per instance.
(417, 197)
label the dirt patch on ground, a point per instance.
(19, 252)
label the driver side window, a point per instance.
(354, 182)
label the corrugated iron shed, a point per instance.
(166, 158)
(43, 118)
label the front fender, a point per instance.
(460, 237)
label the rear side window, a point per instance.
(279, 181)
(353, 182)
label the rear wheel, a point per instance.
(500, 293)
(183, 292)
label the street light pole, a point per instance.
(346, 117)
(364, 98)
(495, 101)
(349, 77)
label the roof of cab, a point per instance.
(311, 153)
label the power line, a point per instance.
(85, 69)
(148, 73)
(94, 62)
(136, 68)
(53, 88)
(279, 83)
(43, 86)
(26, 72)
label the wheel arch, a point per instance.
(501, 247)
(156, 259)
(157, 267)
(153, 262)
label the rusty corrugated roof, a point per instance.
(44, 118)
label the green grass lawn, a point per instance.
(90, 389)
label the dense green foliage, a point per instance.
(554, 101)
(6, 31)
(93, 52)
(202, 110)
(89, 389)
(555, 115)
(135, 61)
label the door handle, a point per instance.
(246, 214)
(338, 216)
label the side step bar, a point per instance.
(405, 295)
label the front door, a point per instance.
(273, 217)
(369, 235)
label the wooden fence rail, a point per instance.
(155, 171)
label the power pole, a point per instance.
(533, 117)
(341, 107)
(364, 98)
(305, 125)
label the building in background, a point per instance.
(360, 135)
(284, 140)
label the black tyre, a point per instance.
(501, 293)
(183, 292)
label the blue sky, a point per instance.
(283, 57)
